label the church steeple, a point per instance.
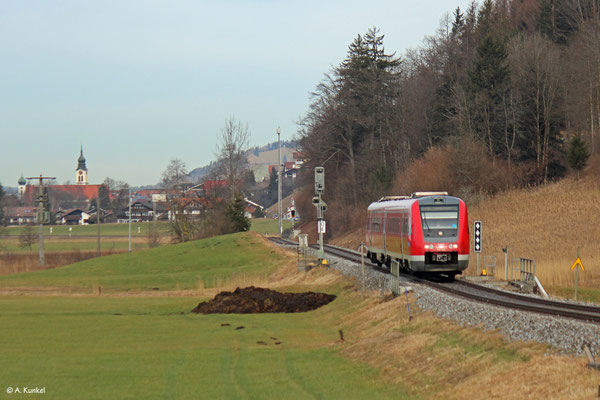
(81, 172)
(81, 161)
(22, 186)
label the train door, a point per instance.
(384, 231)
(402, 216)
(368, 230)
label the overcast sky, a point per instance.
(139, 82)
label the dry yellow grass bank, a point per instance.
(547, 224)
(437, 359)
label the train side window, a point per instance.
(376, 227)
(394, 225)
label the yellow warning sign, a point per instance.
(576, 263)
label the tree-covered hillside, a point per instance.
(490, 101)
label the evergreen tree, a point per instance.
(258, 213)
(458, 24)
(488, 86)
(353, 120)
(1, 205)
(578, 154)
(104, 196)
(237, 215)
(553, 21)
(272, 188)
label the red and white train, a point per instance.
(425, 232)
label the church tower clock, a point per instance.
(81, 172)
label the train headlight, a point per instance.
(454, 246)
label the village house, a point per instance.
(141, 211)
(20, 215)
(75, 216)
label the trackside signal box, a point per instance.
(319, 180)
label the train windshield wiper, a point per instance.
(424, 218)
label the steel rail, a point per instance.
(547, 302)
(487, 295)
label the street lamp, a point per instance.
(279, 176)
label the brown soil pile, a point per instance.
(258, 300)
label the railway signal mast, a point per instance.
(477, 242)
(43, 214)
(321, 208)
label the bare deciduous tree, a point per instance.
(27, 238)
(174, 176)
(231, 153)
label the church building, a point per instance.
(63, 197)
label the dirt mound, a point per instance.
(259, 300)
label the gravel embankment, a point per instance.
(564, 334)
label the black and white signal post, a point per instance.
(477, 241)
(321, 208)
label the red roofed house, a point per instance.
(20, 215)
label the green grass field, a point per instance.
(587, 294)
(268, 225)
(173, 267)
(133, 347)
(153, 348)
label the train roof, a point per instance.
(403, 202)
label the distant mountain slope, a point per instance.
(197, 174)
(263, 155)
(271, 156)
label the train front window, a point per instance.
(439, 221)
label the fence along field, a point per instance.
(65, 247)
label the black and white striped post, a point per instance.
(477, 241)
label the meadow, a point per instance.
(138, 229)
(153, 348)
(69, 244)
(136, 338)
(179, 266)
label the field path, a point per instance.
(235, 370)
(293, 381)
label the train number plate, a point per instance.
(441, 257)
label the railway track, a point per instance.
(480, 293)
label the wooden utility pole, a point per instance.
(129, 249)
(43, 216)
